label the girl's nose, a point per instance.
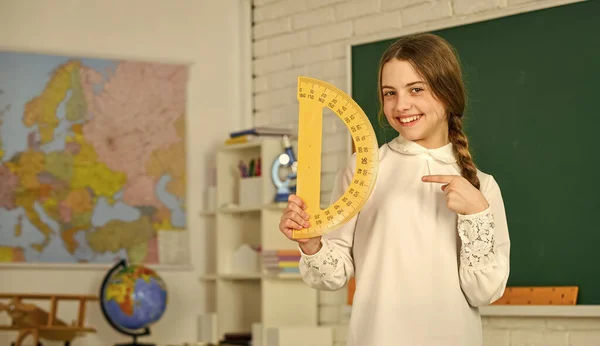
(402, 105)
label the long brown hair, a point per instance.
(436, 61)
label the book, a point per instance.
(262, 131)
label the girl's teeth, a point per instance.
(408, 120)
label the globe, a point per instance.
(132, 298)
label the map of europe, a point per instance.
(92, 158)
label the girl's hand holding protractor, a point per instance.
(295, 217)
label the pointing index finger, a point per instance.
(444, 179)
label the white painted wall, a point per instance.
(310, 37)
(210, 36)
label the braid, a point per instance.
(461, 149)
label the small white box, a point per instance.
(207, 328)
(250, 193)
(300, 336)
(245, 260)
(210, 198)
(257, 334)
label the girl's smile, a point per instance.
(408, 120)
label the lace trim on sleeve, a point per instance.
(322, 264)
(477, 235)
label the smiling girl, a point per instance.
(431, 244)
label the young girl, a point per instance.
(431, 244)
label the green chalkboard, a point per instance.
(533, 121)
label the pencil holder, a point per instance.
(250, 192)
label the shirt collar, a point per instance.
(405, 146)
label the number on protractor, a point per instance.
(313, 96)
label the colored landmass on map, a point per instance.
(92, 136)
(11, 254)
(2, 112)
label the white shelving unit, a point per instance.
(241, 299)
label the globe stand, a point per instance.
(133, 334)
(135, 343)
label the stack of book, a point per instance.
(276, 262)
(236, 339)
(253, 133)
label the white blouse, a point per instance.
(421, 270)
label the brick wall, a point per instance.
(310, 37)
(497, 330)
(534, 331)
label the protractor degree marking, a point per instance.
(322, 95)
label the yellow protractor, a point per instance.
(313, 96)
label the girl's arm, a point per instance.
(332, 266)
(485, 250)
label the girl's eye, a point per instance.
(416, 90)
(388, 93)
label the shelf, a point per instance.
(241, 276)
(207, 213)
(541, 310)
(234, 210)
(275, 206)
(243, 297)
(238, 210)
(282, 276)
(270, 206)
(253, 276)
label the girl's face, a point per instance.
(410, 106)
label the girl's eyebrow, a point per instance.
(407, 85)
(416, 82)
